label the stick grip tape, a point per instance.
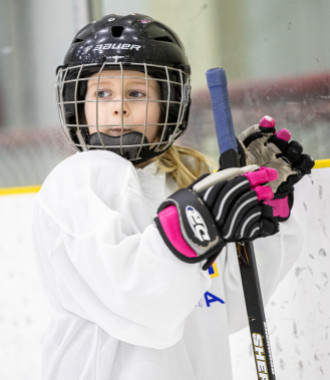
(217, 84)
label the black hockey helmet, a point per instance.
(133, 42)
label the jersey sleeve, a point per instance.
(105, 260)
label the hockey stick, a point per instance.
(217, 83)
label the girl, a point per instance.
(129, 252)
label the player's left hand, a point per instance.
(266, 147)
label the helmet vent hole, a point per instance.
(164, 38)
(77, 40)
(117, 31)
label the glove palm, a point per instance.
(264, 146)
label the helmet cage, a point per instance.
(71, 89)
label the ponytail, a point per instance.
(184, 164)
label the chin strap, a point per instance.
(132, 146)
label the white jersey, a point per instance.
(123, 306)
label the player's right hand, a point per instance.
(197, 226)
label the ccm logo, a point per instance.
(197, 224)
(117, 46)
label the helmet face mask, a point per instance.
(83, 62)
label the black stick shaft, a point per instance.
(217, 84)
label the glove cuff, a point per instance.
(168, 223)
(187, 227)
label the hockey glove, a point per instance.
(196, 226)
(266, 147)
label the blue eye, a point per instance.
(103, 94)
(136, 94)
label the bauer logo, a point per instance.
(117, 46)
(197, 224)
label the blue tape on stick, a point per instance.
(217, 83)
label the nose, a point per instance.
(120, 111)
(120, 108)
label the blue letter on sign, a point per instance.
(209, 298)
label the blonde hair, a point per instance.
(184, 164)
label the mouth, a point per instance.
(116, 131)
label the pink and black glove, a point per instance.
(266, 147)
(196, 226)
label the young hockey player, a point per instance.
(141, 270)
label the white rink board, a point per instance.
(298, 313)
(23, 315)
